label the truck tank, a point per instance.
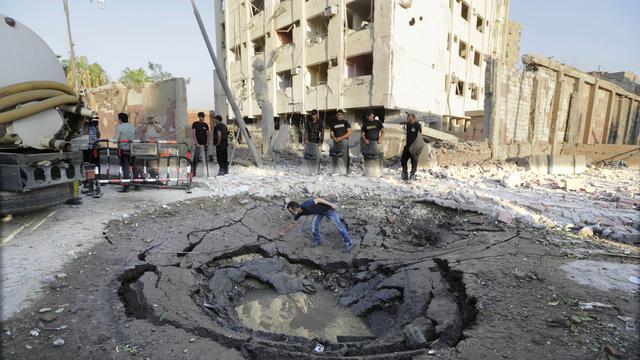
(39, 120)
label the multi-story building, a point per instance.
(427, 56)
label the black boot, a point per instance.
(404, 176)
(413, 175)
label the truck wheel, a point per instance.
(18, 203)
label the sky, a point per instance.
(586, 34)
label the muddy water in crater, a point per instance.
(315, 315)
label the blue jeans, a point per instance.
(335, 219)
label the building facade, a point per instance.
(388, 55)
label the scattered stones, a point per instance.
(511, 180)
(586, 231)
(244, 201)
(48, 317)
(58, 342)
(44, 310)
(573, 184)
(505, 217)
(35, 332)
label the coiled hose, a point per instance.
(48, 94)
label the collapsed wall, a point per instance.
(165, 100)
(551, 108)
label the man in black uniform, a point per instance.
(221, 141)
(319, 208)
(414, 129)
(340, 132)
(199, 136)
(372, 130)
(314, 129)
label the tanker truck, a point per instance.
(40, 118)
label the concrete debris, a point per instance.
(540, 200)
(593, 305)
(511, 180)
(58, 342)
(586, 231)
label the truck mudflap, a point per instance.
(27, 172)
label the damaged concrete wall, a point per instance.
(549, 107)
(357, 54)
(165, 100)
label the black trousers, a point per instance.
(406, 156)
(126, 160)
(223, 158)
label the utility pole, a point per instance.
(72, 55)
(232, 101)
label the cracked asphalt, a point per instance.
(141, 293)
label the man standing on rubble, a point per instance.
(125, 133)
(372, 129)
(340, 132)
(414, 129)
(221, 141)
(319, 208)
(199, 136)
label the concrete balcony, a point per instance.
(285, 59)
(284, 100)
(357, 91)
(317, 52)
(359, 42)
(316, 7)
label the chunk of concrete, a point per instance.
(573, 184)
(560, 164)
(579, 164)
(538, 164)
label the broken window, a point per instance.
(317, 28)
(476, 58)
(318, 74)
(474, 92)
(359, 14)
(460, 88)
(256, 6)
(360, 65)
(285, 35)
(462, 51)
(480, 24)
(464, 11)
(285, 80)
(258, 45)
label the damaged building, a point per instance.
(390, 56)
(552, 109)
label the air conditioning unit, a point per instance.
(330, 11)
(296, 70)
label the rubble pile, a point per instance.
(599, 202)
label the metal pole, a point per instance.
(221, 76)
(72, 54)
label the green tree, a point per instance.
(90, 75)
(157, 73)
(132, 77)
